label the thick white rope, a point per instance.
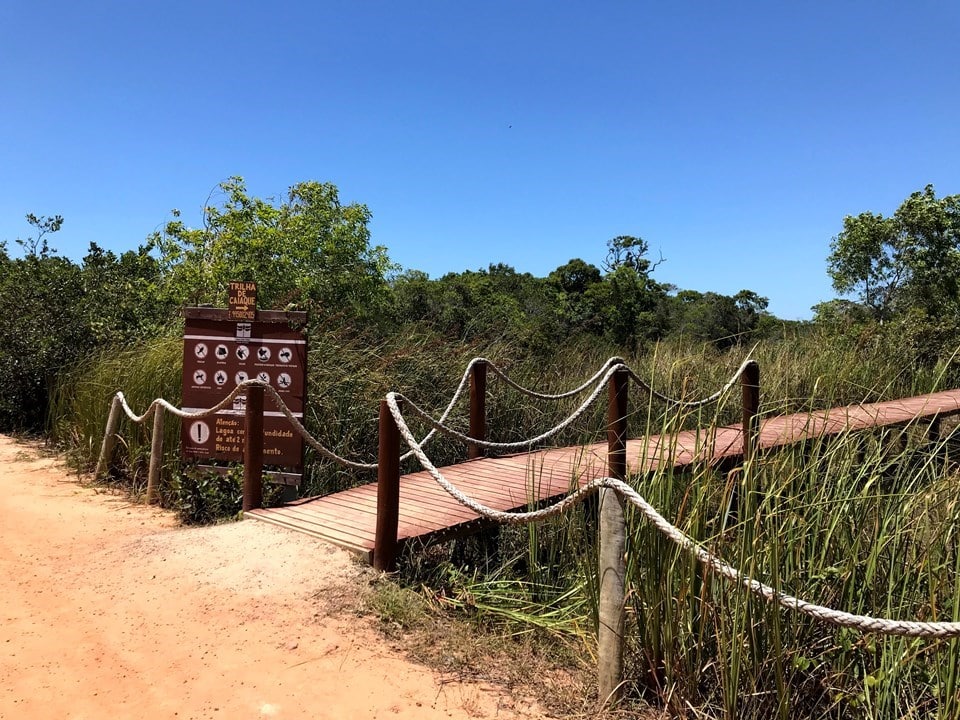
(691, 403)
(544, 396)
(520, 444)
(439, 425)
(600, 378)
(228, 401)
(864, 623)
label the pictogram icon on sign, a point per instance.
(285, 355)
(220, 377)
(200, 350)
(263, 377)
(263, 353)
(200, 432)
(241, 376)
(283, 380)
(243, 352)
(199, 377)
(221, 352)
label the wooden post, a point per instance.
(612, 544)
(388, 492)
(156, 454)
(750, 387)
(109, 440)
(253, 449)
(478, 408)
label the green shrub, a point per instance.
(202, 497)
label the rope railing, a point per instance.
(596, 381)
(864, 623)
(595, 378)
(692, 403)
(448, 431)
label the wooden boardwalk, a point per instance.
(511, 482)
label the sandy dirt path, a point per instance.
(109, 610)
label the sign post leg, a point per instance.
(253, 450)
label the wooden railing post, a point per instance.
(156, 454)
(253, 449)
(612, 544)
(478, 408)
(109, 439)
(750, 387)
(388, 492)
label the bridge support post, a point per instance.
(385, 545)
(750, 391)
(156, 454)
(612, 560)
(109, 439)
(253, 449)
(478, 408)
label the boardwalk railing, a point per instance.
(615, 377)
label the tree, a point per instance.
(633, 303)
(309, 249)
(910, 261)
(723, 320)
(41, 301)
(576, 287)
(629, 251)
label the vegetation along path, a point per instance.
(112, 610)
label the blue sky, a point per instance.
(733, 137)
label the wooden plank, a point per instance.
(321, 530)
(322, 520)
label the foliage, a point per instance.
(41, 301)
(310, 250)
(908, 261)
(56, 311)
(723, 320)
(202, 497)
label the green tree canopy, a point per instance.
(308, 249)
(910, 261)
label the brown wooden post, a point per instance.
(156, 454)
(253, 449)
(617, 424)
(750, 386)
(385, 545)
(109, 440)
(612, 545)
(478, 408)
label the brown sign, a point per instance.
(218, 354)
(242, 300)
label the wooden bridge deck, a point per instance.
(511, 482)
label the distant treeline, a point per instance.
(308, 251)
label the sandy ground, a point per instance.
(110, 610)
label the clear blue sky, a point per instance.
(732, 136)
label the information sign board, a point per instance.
(218, 354)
